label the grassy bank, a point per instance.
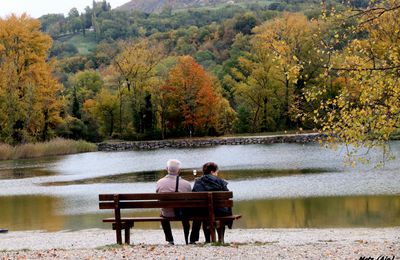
(56, 146)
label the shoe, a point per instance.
(171, 243)
(192, 242)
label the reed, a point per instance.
(6, 151)
(58, 146)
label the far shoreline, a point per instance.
(198, 142)
(60, 146)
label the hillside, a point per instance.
(155, 6)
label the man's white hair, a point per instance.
(173, 166)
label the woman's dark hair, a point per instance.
(209, 167)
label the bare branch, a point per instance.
(365, 69)
(373, 13)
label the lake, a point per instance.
(274, 186)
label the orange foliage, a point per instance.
(197, 100)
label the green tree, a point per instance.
(84, 85)
(105, 110)
(245, 23)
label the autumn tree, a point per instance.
(256, 90)
(136, 63)
(29, 94)
(136, 68)
(365, 112)
(194, 101)
(270, 78)
(80, 87)
(115, 84)
(287, 41)
(105, 109)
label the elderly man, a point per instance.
(172, 183)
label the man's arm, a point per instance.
(158, 187)
(186, 187)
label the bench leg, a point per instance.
(212, 231)
(127, 235)
(119, 235)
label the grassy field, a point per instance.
(84, 44)
(56, 146)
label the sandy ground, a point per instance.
(351, 243)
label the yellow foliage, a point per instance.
(269, 73)
(136, 63)
(29, 101)
(366, 110)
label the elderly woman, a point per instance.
(208, 182)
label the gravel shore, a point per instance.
(348, 243)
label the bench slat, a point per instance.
(157, 219)
(166, 204)
(134, 219)
(166, 196)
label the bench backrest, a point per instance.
(216, 199)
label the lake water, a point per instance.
(280, 185)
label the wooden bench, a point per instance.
(193, 200)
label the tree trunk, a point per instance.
(255, 119)
(120, 112)
(46, 125)
(111, 124)
(287, 103)
(265, 123)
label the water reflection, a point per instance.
(44, 213)
(22, 173)
(321, 212)
(30, 213)
(28, 168)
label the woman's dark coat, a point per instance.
(210, 182)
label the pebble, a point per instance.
(270, 244)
